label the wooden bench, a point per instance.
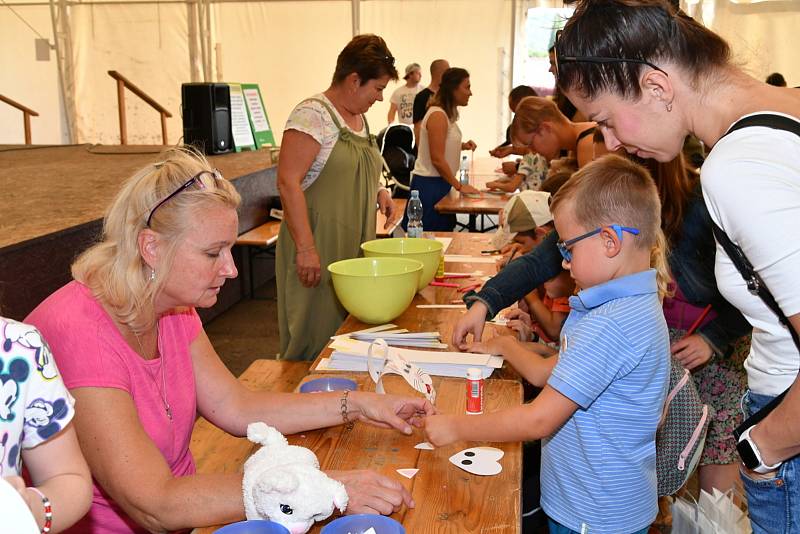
(213, 448)
(261, 239)
(260, 242)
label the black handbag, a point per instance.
(755, 284)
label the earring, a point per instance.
(669, 107)
(152, 275)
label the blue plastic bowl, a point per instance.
(319, 385)
(358, 524)
(253, 526)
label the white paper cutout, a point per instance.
(16, 515)
(393, 363)
(408, 473)
(482, 461)
(424, 446)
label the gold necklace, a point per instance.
(162, 391)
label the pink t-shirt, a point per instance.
(91, 352)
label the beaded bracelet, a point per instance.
(48, 510)
(348, 424)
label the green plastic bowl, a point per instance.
(428, 251)
(375, 290)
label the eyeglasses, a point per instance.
(564, 246)
(595, 59)
(197, 179)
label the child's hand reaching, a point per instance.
(441, 430)
(692, 351)
(497, 345)
(520, 322)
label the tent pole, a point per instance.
(355, 11)
(513, 40)
(66, 77)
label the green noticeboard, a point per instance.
(257, 115)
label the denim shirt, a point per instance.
(691, 260)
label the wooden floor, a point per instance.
(49, 188)
(54, 197)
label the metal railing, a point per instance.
(27, 113)
(122, 83)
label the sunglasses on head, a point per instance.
(564, 246)
(557, 60)
(201, 180)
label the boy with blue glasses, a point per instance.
(603, 393)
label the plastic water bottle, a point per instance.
(414, 211)
(463, 171)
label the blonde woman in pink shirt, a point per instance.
(133, 353)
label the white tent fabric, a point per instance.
(148, 44)
(290, 48)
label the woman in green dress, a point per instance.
(328, 180)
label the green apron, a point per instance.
(341, 212)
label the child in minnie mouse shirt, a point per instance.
(35, 414)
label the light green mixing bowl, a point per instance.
(375, 290)
(428, 251)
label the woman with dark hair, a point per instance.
(439, 147)
(328, 179)
(649, 75)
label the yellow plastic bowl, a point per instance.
(375, 290)
(428, 251)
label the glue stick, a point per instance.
(440, 269)
(474, 391)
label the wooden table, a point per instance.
(448, 500)
(486, 204)
(440, 320)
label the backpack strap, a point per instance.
(767, 120)
(755, 284)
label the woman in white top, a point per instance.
(649, 75)
(439, 149)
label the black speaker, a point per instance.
(207, 117)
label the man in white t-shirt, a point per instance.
(402, 100)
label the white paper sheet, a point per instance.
(445, 241)
(344, 362)
(463, 258)
(240, 124)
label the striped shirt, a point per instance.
(599, 468)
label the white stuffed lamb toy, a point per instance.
(283, 483)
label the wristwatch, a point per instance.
(751, 456)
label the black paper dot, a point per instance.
(466, 462)
(470, 454)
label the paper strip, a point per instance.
(424, 446)
(460, 258)
(408, 473)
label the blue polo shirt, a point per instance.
(599, 468)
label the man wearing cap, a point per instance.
(402, 100)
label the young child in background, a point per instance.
(530, 174)
(530, 220)
(603, 394)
